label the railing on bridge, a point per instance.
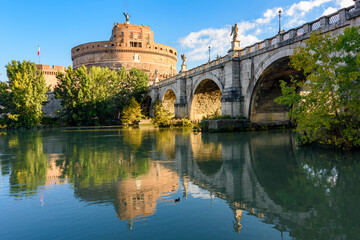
(192, 71)
(293, 33)
(285, 36)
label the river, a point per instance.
(112, 183)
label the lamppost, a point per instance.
(280, 21)
(209, 53)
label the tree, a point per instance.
(162, 117)
(131, 114)
(326, 106)
(97, 95)
(134, 84)
(86, 95)
(23, 96)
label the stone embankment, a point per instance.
(225, 125)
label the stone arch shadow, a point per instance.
(205, 98)
(168, 99)
(266, 89)
(147, 105)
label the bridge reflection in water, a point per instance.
(307, 193)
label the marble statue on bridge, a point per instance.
(234, 32)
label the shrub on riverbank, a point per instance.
(162, 117)
(131, 114)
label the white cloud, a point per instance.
(196, 192)
(269, 15)
(196, 43)
(304, 7)
(344, 3)
(329, 10)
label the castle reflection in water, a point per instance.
(266, 175)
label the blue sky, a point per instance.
(190, 26)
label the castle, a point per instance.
(129, 46)
(50, 73)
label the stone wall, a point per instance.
(50, 73)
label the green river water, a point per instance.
(112, 183)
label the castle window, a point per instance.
(122, 33)
(148, 36)
(98, 46)
(160, 49)
(131, 34)
(171, 51)
(112, 45)
(78, 49)
(136, 44)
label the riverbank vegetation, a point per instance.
(326, 107)
(98, 96)
(131, 114)
(22, 97)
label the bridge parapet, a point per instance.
(323, 24)
(204, 67)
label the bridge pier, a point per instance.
(181, 110)
(232, 104)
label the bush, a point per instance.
(131, 114)
(162, 117)
(186, 122)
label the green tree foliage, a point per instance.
(28, 168)
(131, 114)
(97, 96)
(326, 107)
(23, 96)
(162, 117)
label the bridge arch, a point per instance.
(205, 98)
(146, 105)
(168, 99)
(206, 157)
(266, 87)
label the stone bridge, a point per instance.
(245, 82)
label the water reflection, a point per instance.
(303, 192)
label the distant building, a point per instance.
(50, 73)
(129, 46)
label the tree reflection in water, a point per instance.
(311, 193)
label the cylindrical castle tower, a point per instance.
(129, 46)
